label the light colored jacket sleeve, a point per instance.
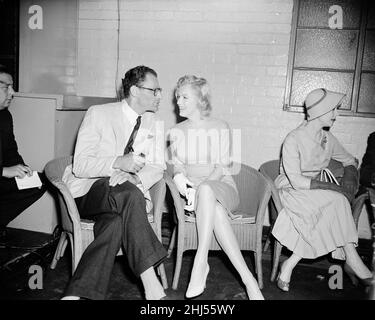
(154, 167)
(89, 160)
(291, 164)
(340, 154)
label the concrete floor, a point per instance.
(309, 282)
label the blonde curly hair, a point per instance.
(201, 88)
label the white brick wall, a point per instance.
(240, 46)
(47, 58)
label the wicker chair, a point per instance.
(358, 204)
(80, 231)
(254, 191)
(367, 198)
(270, 171)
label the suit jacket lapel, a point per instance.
(122, 129)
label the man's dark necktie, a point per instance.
(129, 145)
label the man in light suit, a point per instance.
(119, 155)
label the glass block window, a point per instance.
(339, 57)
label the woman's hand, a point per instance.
(350, 196)
(316, 184)
(190, 197)
(350, 180)
(181, 183)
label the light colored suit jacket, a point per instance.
(102, 137)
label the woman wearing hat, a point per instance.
(317, 217)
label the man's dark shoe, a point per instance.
(3, 238)
(171, 295)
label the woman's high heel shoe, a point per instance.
(193, 292)
(355, 279)
(282, 285)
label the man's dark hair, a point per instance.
(134, 77)
(4, 69)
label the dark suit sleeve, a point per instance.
(17, 156)
(368, 162)
(1, 157)
(9, 155)
(14, 156)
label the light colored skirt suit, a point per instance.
(196, 152)
(313, 222)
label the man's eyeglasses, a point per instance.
(156, 90)
(6, 86)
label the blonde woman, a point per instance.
(317, 217)
(200, 153)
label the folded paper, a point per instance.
(29, 182)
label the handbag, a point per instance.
(326, 175)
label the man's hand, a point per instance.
(130, 163)
(119, 177)
(134, 179)
(19, 171)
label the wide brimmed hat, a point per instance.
(320, 101)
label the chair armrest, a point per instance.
(274, 193)
(180, 212)
(276, 199)
(69, 201)
(263, 207)
(157, 192)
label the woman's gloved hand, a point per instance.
(350, 180)
(316, 184)
(181, 183)
(190, 199)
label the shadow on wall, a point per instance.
(48, 83)
(176, 109)
(119, 91)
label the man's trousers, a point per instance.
(13, 201)
(120, 220)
